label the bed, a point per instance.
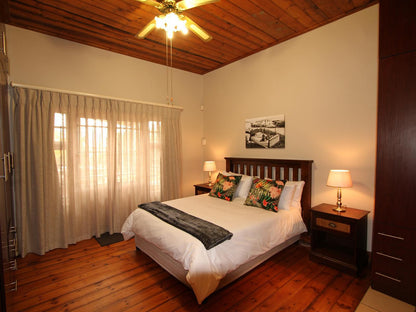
(258, 234)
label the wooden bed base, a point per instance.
(295, 170)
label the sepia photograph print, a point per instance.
(265, 132)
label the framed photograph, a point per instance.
(265, 132)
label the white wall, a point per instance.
(325, 83)
(41, 60)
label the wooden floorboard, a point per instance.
(88, 277)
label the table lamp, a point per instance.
(209, 166)
(339, 179)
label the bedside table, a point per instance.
(202, 188)
(339, 239)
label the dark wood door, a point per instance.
(396, 135)
(394, 223)
(394, 235)
(7, 227)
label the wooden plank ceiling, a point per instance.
(239, 27)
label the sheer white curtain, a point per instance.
(84, 163)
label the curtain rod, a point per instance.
(14, 84)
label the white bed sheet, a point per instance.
(255, 231)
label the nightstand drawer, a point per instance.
(333, 225)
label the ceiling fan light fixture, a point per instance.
(172, 19)
(171, 23)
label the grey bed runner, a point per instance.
(208, 233)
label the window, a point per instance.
(94, 158)
(154, 137)
(127, 132)
(61, 155)
(93, 151)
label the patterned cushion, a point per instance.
(265, 194)
(225, 187)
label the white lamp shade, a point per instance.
(339, 178)
(209, 165)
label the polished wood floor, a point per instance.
(87, 277)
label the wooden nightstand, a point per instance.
(339, 239)
(202, 188)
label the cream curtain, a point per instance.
(84, 163)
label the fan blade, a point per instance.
(189, 4)
(197, 30)
(147, 29)
(152, 3)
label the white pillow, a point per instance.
(243, 188)
(297, 194)
(285, 200)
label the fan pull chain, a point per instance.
(169, 71)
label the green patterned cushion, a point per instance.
(265, 194)
(225, 187)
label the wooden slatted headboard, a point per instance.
(288, 169)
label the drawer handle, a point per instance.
(11, 286)
(388, 256)
(12, 265)
(333, 225)
(391, 236)
(389, 277)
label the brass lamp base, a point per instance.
(339, 209)
(339, 203)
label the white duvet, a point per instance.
(255, 231)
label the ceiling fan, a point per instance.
(173, 20)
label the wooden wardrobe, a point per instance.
(394, 236)
(8, 283)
